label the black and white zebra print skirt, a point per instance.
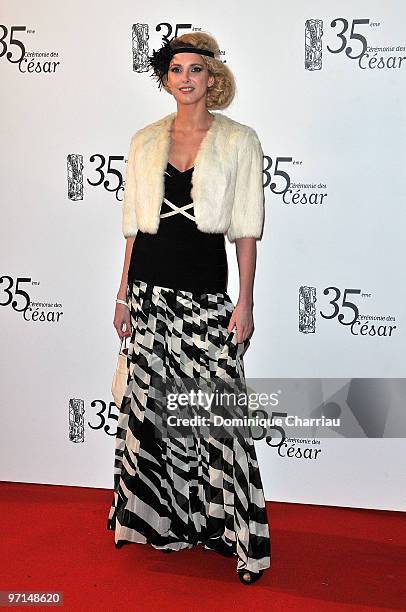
(177, 492)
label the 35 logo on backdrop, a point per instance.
(342, 305)
(14, 293)
(349, 38)
(104, 418)
(104, 172)
(13, 43)
(277, 177)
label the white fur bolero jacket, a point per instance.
(227, 188)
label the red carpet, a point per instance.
(54, 538)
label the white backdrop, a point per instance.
(331, 125)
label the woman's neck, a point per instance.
(189, 119)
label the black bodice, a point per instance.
(179, 255)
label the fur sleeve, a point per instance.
(129, 221)
(248, 208)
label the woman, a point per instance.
(191, 177)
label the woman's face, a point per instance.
(188, 70)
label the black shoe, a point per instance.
(254, 576)
(121, 543)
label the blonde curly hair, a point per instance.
(222, 92)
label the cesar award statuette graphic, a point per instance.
(75, 176)
(313, 44)
(307, 310)
(76, 420)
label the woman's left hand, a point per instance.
(242, 318)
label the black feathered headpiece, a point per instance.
(159, 61)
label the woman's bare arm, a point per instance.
(242, 316)
(122, 318)
(122, 292)
(246, 257)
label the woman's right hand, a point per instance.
(122, 321)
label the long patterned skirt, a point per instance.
(177, 492)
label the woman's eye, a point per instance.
(176, 69)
